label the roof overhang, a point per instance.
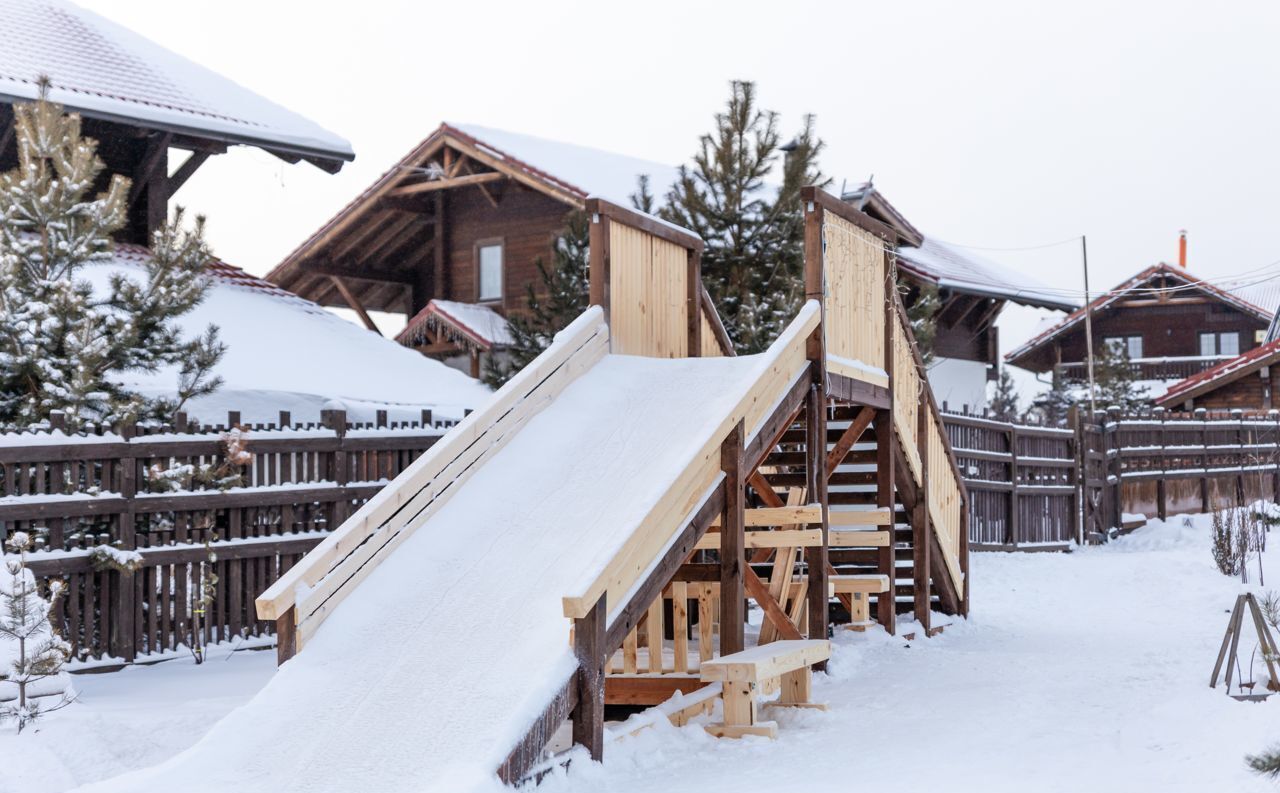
(327, 160)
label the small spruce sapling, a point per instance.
(36, 654)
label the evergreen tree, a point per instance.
(562, 298)
(1054, 405)
(753, 263)
(1117, 383)
(1266, 763)
(923, 315)
(1004, 402)
(63, 342)
(32, 652)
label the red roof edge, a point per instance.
(1241, 363)
(418, 323)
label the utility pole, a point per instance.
(1088, 324)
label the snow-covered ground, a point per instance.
(1079, 672)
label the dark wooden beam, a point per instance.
(857, 392)
(349, 271)
(153, 163)
(733, 563)
(418, 205)
(188, 167)
(449, 183)
(7, 123)
(589, 649)
(354, 303)
(528, 750)
(848, 438)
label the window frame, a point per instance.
(490, 242)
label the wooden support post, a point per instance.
(693, 304)
(354, 303)
(286, 636)
(732, 545)
(1162, 491)
(125, 623)
(336, 420)
(1014, 507)
(921, 532)
(588, 648)
(816, 557)
(886, 492)
(598, 267)
(1241, 454)
(1116, 469)
(1203, 417)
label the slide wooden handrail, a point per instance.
(323, 577)
(779, 366)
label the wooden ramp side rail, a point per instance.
(303, 597)
(711, 487)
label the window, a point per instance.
(1219, 344)
(1132, 345)
(489, 261)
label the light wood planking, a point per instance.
(648, 294)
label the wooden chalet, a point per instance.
(973, 291)
(463, 218)
(146, 105)
(1247, 382)
(1172, 325)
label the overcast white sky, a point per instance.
(988, 124)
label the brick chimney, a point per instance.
(1182, 249)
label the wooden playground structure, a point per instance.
(826, 492)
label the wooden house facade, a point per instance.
(1171, 324)
(450, 236)
(1248, 382)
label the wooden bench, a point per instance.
(858, 587)
(745, 676)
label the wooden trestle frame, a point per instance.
(694, 551)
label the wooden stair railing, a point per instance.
(940, 496)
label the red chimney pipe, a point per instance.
(1182, 249)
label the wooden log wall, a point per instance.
(103, 488)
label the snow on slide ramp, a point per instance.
(426, 676)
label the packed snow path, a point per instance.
(432, 669)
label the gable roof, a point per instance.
(470, 325)
(961, 271)
(105, 71)
(947, 265)
(1241, 299)
(1225, 372)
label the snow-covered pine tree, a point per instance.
(561, 299)
(32, 681)
(1004, 400)
(1054, 405)
(922, 313)
(64, 343)
(1117, 382)
(753, 264)
(1267, 763)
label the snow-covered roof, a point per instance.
(287, 353)
(106, 71)
(591, 171)
(1242, 296)
(966, 272)
(1223, 373)
(469, 324)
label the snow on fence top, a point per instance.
(107, 71)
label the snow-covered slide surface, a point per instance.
(430, 671)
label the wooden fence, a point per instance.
(208, 516)
(1166, 463)
(1022, 482)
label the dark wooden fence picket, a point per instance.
(81, 493)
